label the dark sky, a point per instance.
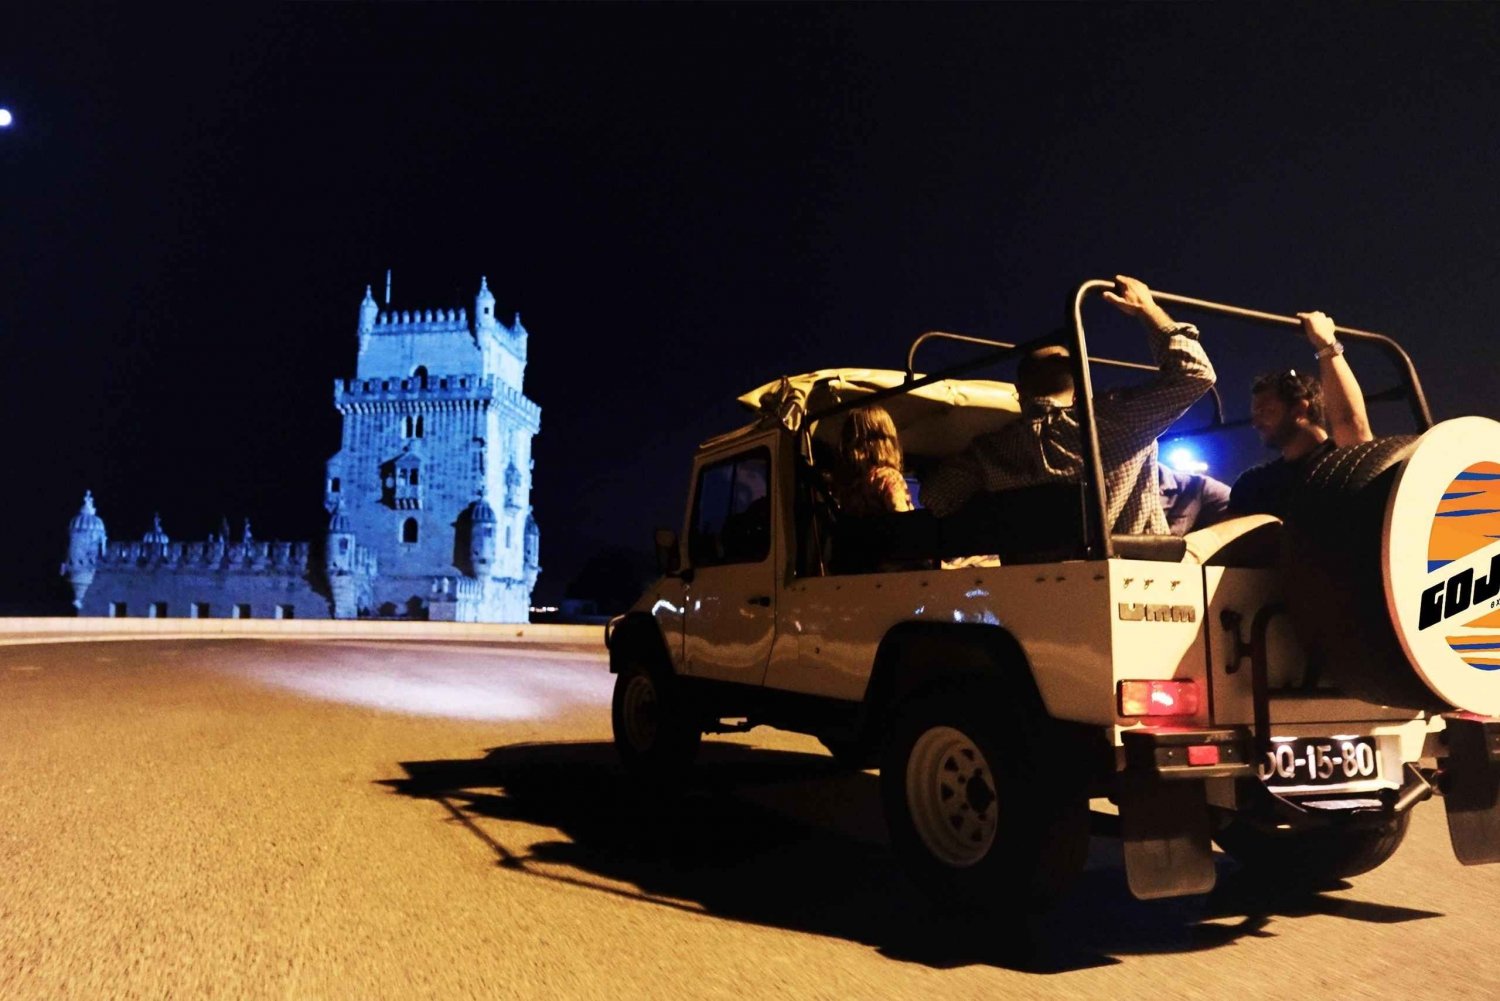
(682, 202)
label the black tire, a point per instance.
(1332, 574)
(986, 805)
(656, 733)
(1316, 857)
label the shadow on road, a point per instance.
(790, 840)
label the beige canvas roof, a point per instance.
(933, 420)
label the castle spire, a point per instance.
(368, 311)
(484, 307)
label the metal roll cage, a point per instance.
(1097, 542)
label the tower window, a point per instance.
(156, 610)
(242, 611)
(421, 376)
(333, 485)
(419, 425)
(409, 530)
(118, 610)
(199, 610)
(414, 473)
(286, 612)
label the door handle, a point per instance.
(763, 600)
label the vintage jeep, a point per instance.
(1290, 690)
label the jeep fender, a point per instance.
(636, 634)
(915, 657)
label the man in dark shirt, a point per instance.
(1302, 416)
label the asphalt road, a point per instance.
(250, 819)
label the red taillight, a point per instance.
(1203, 754)
(1158, 698)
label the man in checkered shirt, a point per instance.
(1044, 444)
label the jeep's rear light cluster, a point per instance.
(1158, 698)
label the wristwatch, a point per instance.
(1329, 350)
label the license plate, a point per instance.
(1320, 761)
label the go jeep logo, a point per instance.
(1467, 521)
(1441, 557)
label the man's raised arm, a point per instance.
(1184, 371)
(1343, 401)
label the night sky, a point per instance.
(683, 202)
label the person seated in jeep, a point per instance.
(868, 480)
(1044, 445)
(1289, 411)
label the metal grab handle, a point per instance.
(911, 359)
(1394, 352)
(911, 354)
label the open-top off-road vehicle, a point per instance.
(1289, 689)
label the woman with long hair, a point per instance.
(869, 480)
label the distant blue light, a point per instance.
(1185, 460)
(5, 118)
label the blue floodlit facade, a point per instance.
(429, 497)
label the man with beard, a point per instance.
(1302, 416)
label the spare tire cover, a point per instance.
(1441, 560)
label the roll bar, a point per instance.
(1097, 542)
(944, 335)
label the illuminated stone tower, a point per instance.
(435, 427)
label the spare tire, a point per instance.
(1387, 558)
(1330, 560)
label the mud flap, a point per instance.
(1471, 788)
(1165, 828)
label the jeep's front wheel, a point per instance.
(976, 813)
(656, 735)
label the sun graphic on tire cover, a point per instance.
(1468, 520)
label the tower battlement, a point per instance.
(422, 321)
(368, 395)
(279, 557)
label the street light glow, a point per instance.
(5, 118)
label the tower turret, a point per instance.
(483, 528)
(339, 564)
(340, 539)
(368, 311)
(532, 541)
(86, 541)
(484, 308)
(156, 536)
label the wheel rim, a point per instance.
(639, 712)
(951, 795)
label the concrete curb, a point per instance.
(19, 631)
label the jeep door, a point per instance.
(730, 620)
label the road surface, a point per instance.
(258, 819)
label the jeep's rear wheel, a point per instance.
(976, 813)
(655, 733)
(1316, 857)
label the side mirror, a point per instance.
(668, 555)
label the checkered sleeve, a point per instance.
(1132, 417)
(954, 481)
